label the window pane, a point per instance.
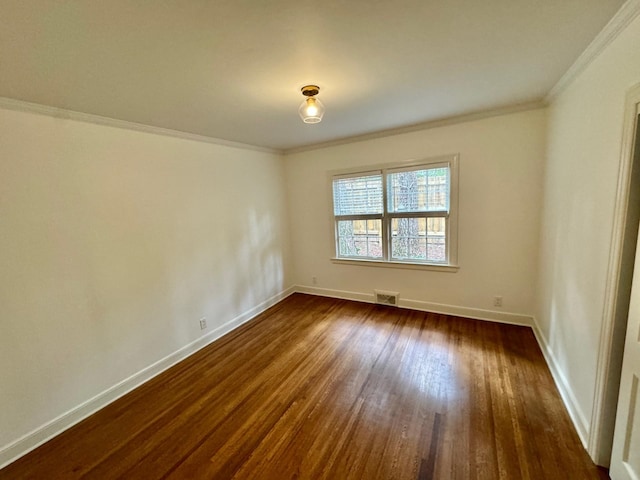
(360, 238)
(424, 190)
(436, 239)
(357, 195)
(419, 239)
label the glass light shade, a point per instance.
(311, 110)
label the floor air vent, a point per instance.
(386, 298)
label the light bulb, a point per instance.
(311, 110)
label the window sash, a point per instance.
(389, 246)
(393, 194)
(365, 237)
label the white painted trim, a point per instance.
(342, 294)
(391, 264)
(613, 274)
(42, 434)
(576, 414)
(443, 122)
(467, 312)
(22, 106)
(627, 13)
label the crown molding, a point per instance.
(627, 13)
(20, 105)
(442, 122)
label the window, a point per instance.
(399, 215)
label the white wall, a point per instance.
(113, 244)
(584, 142)
(501, 162)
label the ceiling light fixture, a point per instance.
(311, 110)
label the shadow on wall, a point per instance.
(226, 273)
(259, 271)
(567, 315)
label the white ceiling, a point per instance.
(232, 69)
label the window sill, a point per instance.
(410, 266)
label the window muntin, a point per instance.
(397, 214)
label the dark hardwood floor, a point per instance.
(318, 388)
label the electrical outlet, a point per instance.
(203, 323)
(497, 301)
(314, 280)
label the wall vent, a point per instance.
(386, 298)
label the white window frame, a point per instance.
(451, 265)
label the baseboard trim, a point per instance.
(341, 294)
(46, 432)
(467, 312)
(576, 414)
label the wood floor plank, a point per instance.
(318, 388)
